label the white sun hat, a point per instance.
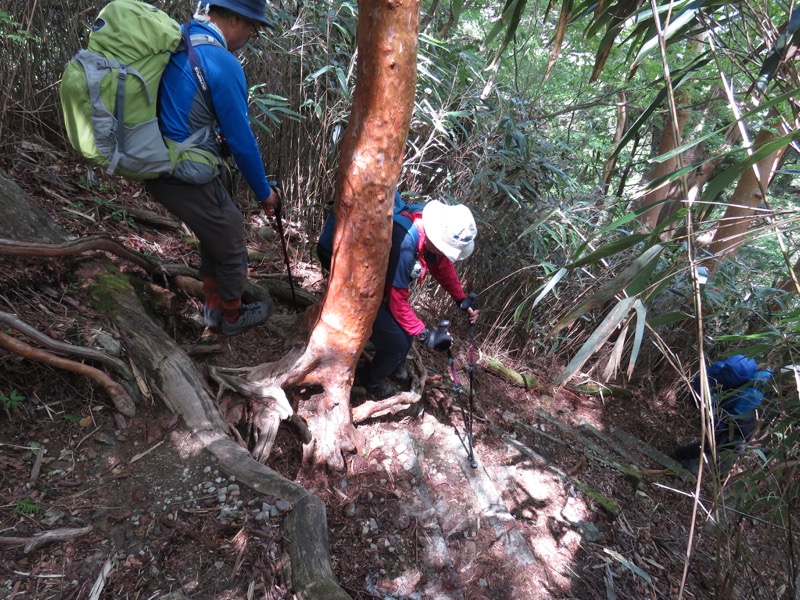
(450, 228)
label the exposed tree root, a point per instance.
(268, 406)
(119, 396)
(45, 537)
(64, 348)
(391, 405)
(95, 242)
(183, 390)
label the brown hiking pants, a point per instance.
(210, 213)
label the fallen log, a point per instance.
(606, 503)
(45, 537)
(524, 380)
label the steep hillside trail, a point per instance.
(573, 495)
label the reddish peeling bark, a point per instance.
(670, 138)
(622, 126)
(747, 196)
(370, 163)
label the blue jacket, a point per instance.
(735, 385)
(183, 111)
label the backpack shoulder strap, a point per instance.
(405, 213)
(204, 39)
(194, 63)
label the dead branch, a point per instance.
(389, 405)
(45, 537)
(148, 217)
(64, 348)
(95, 242)
(122, 401)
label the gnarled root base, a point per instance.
(329, 419)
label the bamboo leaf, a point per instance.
(667, 319)
(550, 285)
(613, 287)
(317, 73)
(340, 75)
(675, 25)
(640, 280)
(627, 564)
(641, 319)
(603, 51)
(615, 359)
(544, 216)
(502, 23)
(609, 249)
(598, 338)
(561, 29)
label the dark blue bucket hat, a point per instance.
(249, 9)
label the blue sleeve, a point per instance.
(229, 93)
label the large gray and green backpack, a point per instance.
(109, 91)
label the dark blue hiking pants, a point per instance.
(392, 344)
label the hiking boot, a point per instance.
(382, 390)
(400, 374)
(249, 316)
(212, 318)
(690, 464)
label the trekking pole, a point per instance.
(466, 412)
(473, 303)
(279, 222)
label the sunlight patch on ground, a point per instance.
(187, 445)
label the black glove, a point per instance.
(438, 340)
(470, 301)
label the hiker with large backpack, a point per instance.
(197, 192)
(425, 237)
(737, 389)
(139, 60)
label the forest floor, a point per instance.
(563, 502)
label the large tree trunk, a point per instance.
(622, 126)
(670, 138)
(747, 196)
(371, 159)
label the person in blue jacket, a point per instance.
(737, 390)
(194, 131)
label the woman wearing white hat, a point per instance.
(428, 237)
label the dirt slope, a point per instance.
(557, 508)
